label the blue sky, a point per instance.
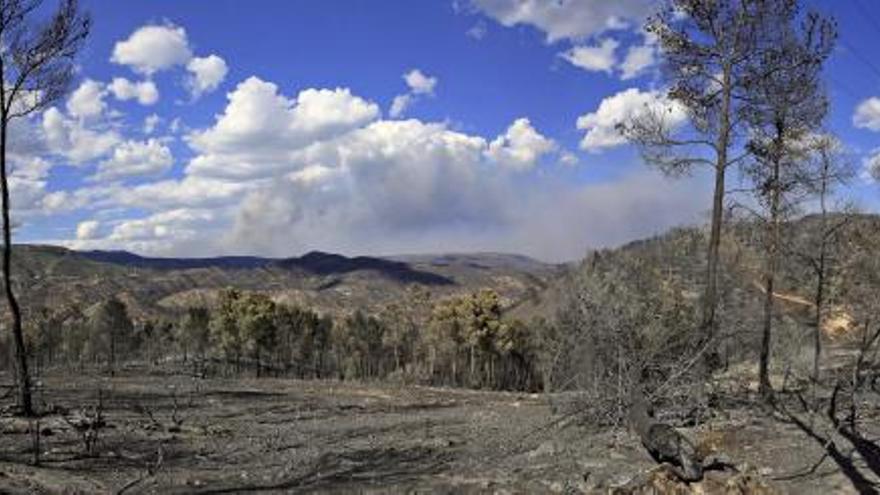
(272, 127)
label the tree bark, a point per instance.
(820, 279)
(112, 359)
(819, 317)
(710, 297)
(21, 366)
(765, 389)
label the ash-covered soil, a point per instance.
(176, 434)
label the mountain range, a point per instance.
(52, 277)
(152, 286)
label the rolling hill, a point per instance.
(50, 276)
(53, 276)
(679, 256)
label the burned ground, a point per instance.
(178, 434)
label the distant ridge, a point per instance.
(478, 260)
(130, 259)
(314, 263)
(319, 263)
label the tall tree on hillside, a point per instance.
(36, 67)
(788, 105)
(708, 51)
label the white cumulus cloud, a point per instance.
(598, 58)
(638, 59)
(73, 140)
(871, 165)
(588, 26)
(27, 183)
(521, 146)
(419, 85)
(177, 222)
(567, 19)
(152, 48)
(136, 158)
(867, 115)
(145, 92)
(151, 122)
(87, 100)
(399, 105)
(206, 74)
(601, 125)
(260, 127)
(87, 230)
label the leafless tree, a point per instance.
(787, 105)
(36, 68)
(829, 169)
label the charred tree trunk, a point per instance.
(819, 318)
(710, 297)
(21, 366)
(773, 239)
(821, 268)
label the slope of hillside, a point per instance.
(680, 255)
(333, 283)
(54, 276)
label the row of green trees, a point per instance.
(460, 341)
(248, 330)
